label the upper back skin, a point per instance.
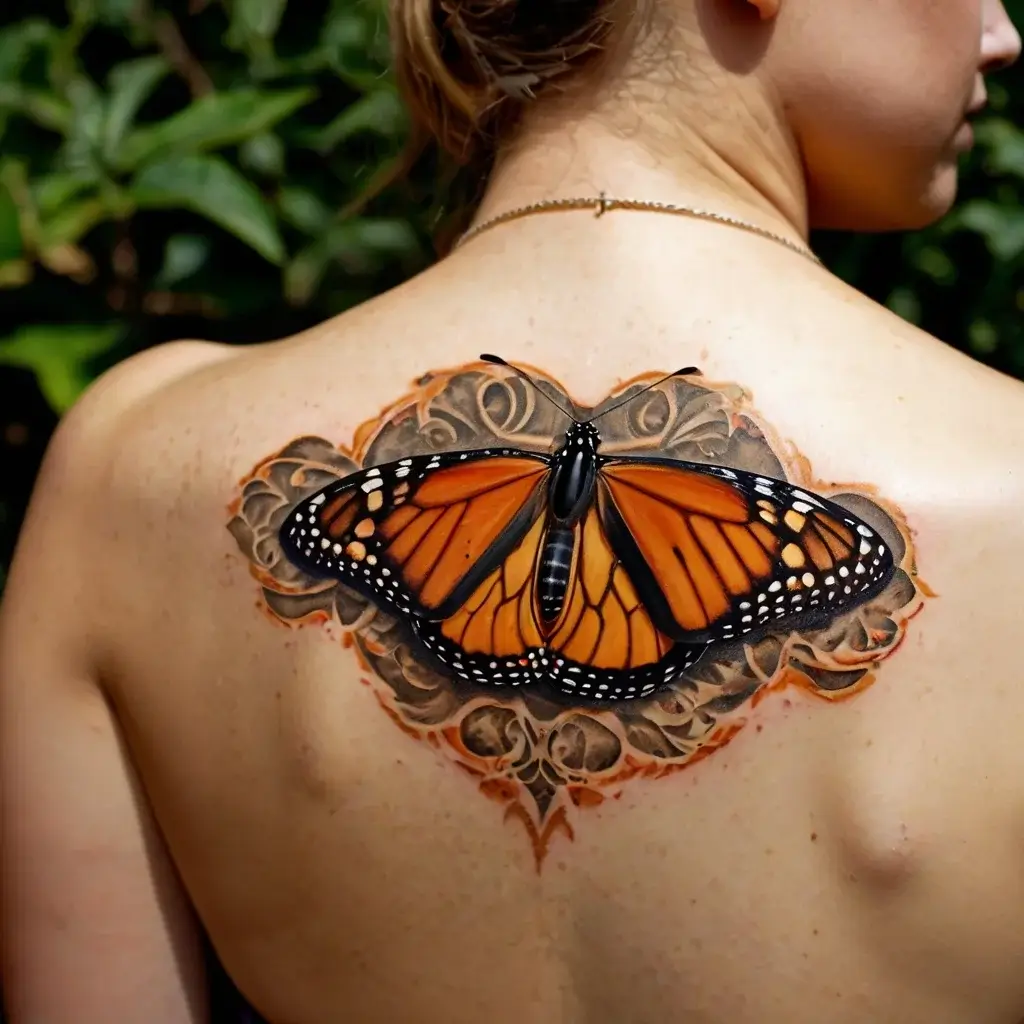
(841, 861)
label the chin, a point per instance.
(942, 194)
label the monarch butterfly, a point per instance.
(603, 577)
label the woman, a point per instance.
(539, 754)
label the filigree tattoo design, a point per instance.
(563, 598)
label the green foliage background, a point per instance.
(192, 168)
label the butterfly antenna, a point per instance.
(498, 361)
(686, 371)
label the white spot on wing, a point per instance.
(810, 499)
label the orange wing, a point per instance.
(450, 522)
(420, 533)
(716, 553)
(603, 622)
(603, 645)
(499, 618)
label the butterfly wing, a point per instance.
(716, 554)
(421, 533)
(603, 646)
(494, 637)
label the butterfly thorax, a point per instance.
(574, 472)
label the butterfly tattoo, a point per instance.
(602, 578)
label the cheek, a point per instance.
(876, 91)
(898, 70)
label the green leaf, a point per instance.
(17, 42)
(15, 274)
(903, 302)
(257, 17)
(71, 222)
(381, 112)
(116, 12)
(984, 337)
(1002, 227)
(11, 246)
(36, 105)
(263, 154)
(369, 238)
(83, 12)
(59, 355)
(346, 28)
(220, 119)
(52, 191)
(305, 272)
(357, 246)
(1004, 142)
(354, 39)
(130, 85)
(183, 257)
(934, 262)
(303, 209)
(82, 148)
(212, 188)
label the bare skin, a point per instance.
(170, 752)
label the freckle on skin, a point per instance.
(814, 837)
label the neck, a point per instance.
(713, 140)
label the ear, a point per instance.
(766, 9)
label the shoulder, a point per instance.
(132, 382)
(88, 432)
(94, 436)
(950, 406)
(72, 517)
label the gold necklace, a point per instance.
(604, 204)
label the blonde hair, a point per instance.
(469, 69)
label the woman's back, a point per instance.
(819, 826)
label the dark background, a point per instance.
(193, 168)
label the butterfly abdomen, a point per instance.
(554, 571)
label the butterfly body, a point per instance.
(570, 492)
(600, 577)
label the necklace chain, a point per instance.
(605, 204)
